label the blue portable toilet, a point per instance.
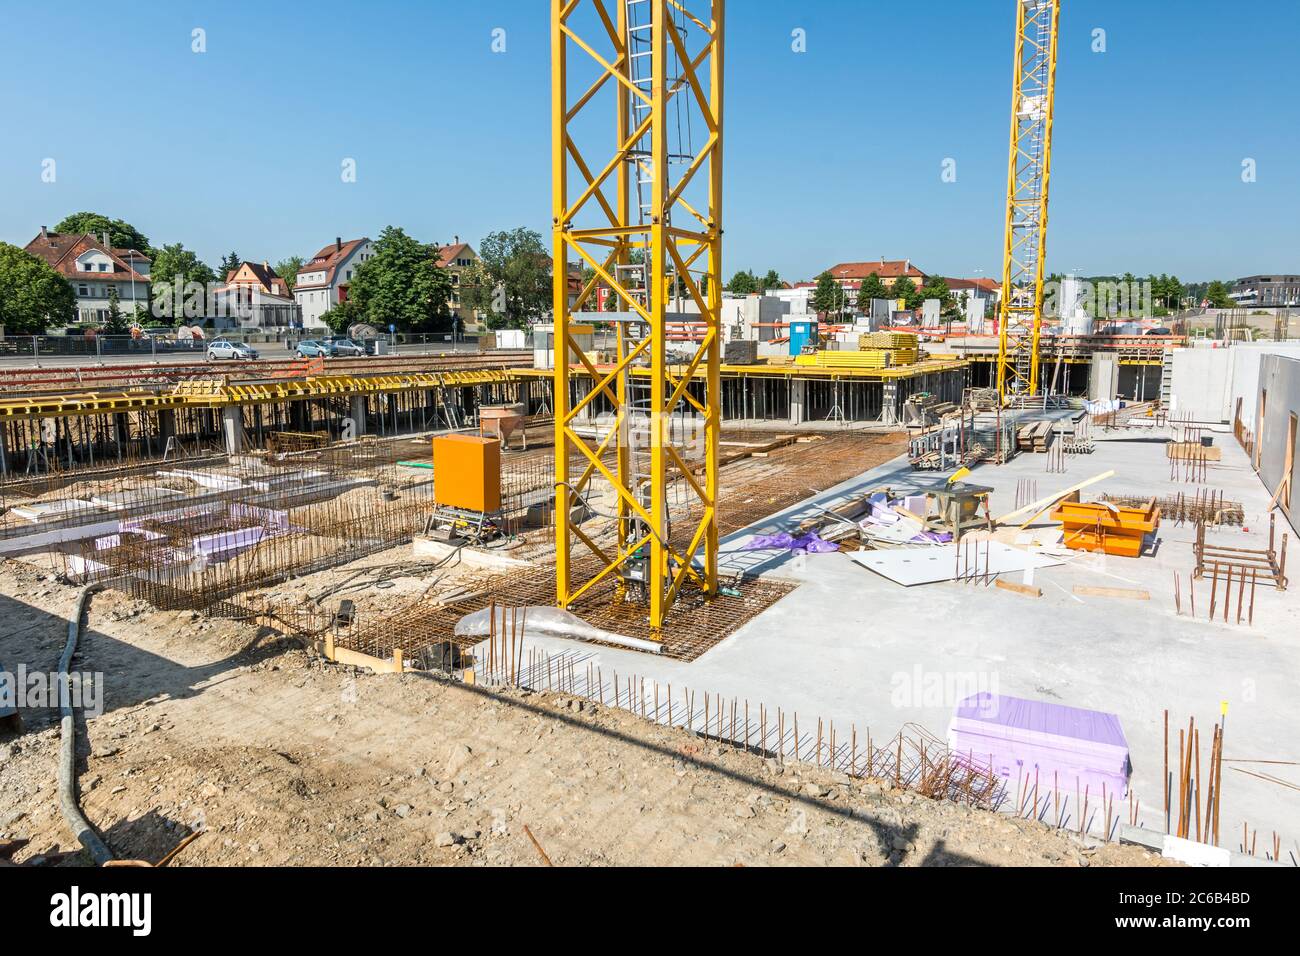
(801, 333)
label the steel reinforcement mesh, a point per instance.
(694, 625)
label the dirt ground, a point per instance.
(281, 758)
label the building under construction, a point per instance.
(1038, 542)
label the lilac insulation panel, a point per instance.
(1083, 748)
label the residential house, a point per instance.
(258, 297)
(95, 269)
(458, 258)
(850, 275)
(990, 290)
(322, 282)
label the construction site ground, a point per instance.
(282, 758)
(842, 645)
(853, 648)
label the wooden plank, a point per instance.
(1195, 451)
(1024, 589)
(1132, 594)
(924, 522)
(1042, 504)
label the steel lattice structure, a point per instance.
(644, 220)
(1028, 179)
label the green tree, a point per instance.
(287, 269)
(175, 266)
(1217, 294)
(32, 295)
(229, 264)
(828, 297)
(121, 234)
(770, 281)
(872, 288)
(402, 285)
(343, 316)
(905, 289)
(513, 287)
(116, 324)
(744, 283)
(1168, 290)
(936, 287)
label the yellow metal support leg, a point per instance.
(1029, 173)
(657, 66)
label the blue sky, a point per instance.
(834, 154)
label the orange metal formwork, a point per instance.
(1098, 526)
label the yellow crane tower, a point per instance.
(637, 163)
(1029, 175)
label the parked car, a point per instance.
(225, 349)
(311, 348)
(343, 345)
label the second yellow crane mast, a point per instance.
(1029, 177)
(657, 66)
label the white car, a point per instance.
(225, 349)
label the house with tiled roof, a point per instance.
(458, 258)
(322, 282)
(257, 296)
(95, 268)
(851, 275)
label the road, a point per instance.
(266, 350)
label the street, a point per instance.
(266, 350)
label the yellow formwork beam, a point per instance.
(86, 403)
(217, 393)
(818, 373)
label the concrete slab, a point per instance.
(855, 648)
(35, 511)
(124, 500)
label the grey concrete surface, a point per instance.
(852, 647)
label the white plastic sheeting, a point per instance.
(548, 622)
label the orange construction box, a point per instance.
(1096, 527)
(467, 472)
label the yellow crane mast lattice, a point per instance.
(642, 221)
(1028, 178)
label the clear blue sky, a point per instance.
(834, 154)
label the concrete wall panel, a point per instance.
(1280, 379)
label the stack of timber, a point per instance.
(889, 340)
(867, 359)
(1035, 437)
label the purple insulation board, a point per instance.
(1083, 748)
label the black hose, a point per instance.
(69, 805)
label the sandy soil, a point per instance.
(282, 758)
